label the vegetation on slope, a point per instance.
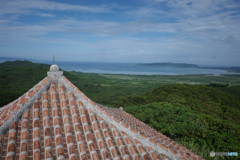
(189, 114)
(17, 77)
(233, 90)
(232, 80)
(107, 91)
(199, 98)
(201, 133)
(24, 63)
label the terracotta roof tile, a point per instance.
(65, 79)
(61, 88)
(141, 149)
(36, 155)
(17, 108)
(14, 105)
(78, 91)
(100, 108)
(143, 136)
(22, 99)
(54, 96)
(10, 157)
(115, 119)
(107, 114)
(84, 119)
(7, 117)
(74, 111)
(162, 146)
(23, 157)
(124, 125)
(64, 103)
(12, 136)
(152, 141)
(173, 152)
(44, 81)
(133, 130)
(38, 87)
(100, 118)
(24, 146)
(149, 148)
(145, 157)
(71, 95)
(84, 96)
(93, 103)
(31, 93)
(72, 85)
(80, 103)
(132, 150)
(154, 155)
(77, 128)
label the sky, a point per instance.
(137, 31)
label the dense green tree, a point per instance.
(186, 126)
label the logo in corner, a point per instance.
(212, 154)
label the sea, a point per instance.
(129, 68)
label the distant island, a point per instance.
(169, 64)
(185, 65)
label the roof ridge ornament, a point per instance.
(54, 71)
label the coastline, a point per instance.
(168, 71)
(182, 65)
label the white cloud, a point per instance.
(26, 6)
(96, 27)
(46, 15)
(145, 13)
(4, 21)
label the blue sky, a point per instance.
(138, 31)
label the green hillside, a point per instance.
(199, 98)
(233, 90)
(108, 91)
(201, 133)
(202, 118)
(23, 63)
(17, 77)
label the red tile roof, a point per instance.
(58, 121)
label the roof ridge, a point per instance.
(153, 145)
(14, 110)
